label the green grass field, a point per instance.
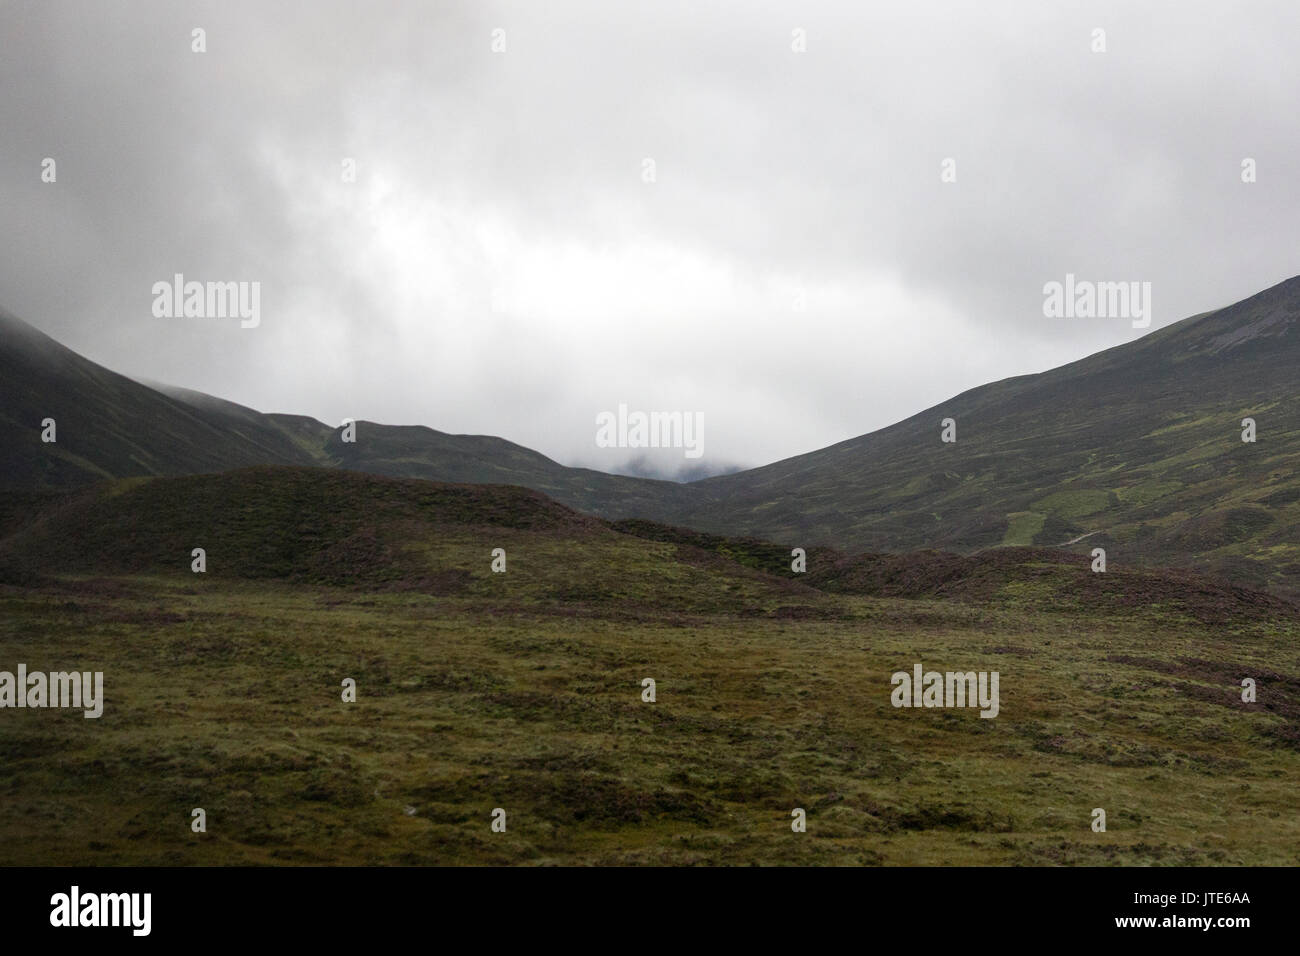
(523, 691)
(230, 700)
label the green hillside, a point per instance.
(523, 690)
(1139, 448)
(1136, 450)
(108, 426)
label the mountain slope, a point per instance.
(414, 451)
(108, 426)
(1136, 449)
(1139, 448)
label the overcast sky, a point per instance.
(501, 265)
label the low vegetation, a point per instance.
(523, 691)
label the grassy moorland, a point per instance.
(522, 691)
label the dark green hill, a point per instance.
(334, 528)
(108, 426)
(318, 525)
(337, 528)
(1138, 447)
(414, 451)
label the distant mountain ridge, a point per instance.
(1139, 447)
(1136, 449)
(110, 426)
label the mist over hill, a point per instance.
(1138, 449)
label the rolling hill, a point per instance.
(314, 527)
(1136, 449)
(526, 690)
(108, 426)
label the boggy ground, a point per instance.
(229, 699)
(523, 691)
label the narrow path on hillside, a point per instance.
(1078, 539)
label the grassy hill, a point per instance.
(108, 426)
(311, 527)
(1136, 450)
(417, 451)
(523, 690)
(315, 527)
(1139, 448)
(414, 451)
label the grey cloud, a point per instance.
(520, 173)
